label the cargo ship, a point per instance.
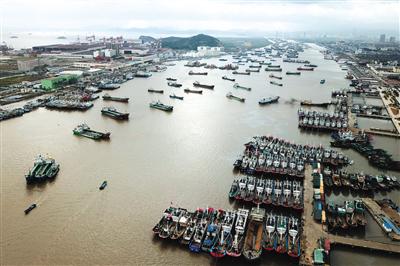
(197, 73)
(113, 113)
(43, 168)
(193, 91)
(293, 73)
(226, 78)
(240, 73)
(160, 106)
(85, 131)
(277, 69)
(305, 68)
(276, 83)
(198, 84)
(237, 86)
(254, 236)
(229, 95)
(107, 97)
(155, 91)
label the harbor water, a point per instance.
(156, 158)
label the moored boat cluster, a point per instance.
(276, 192)
(322, 121)
(351, 214)
(231, 232)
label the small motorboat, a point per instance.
(103, 185)
(30, 208)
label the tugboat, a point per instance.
(197, 73)
(113, 113)
(85, 131)
(229, 95)
(198, 84)
(280, 242)
(193, 91)
(276, 83)
(103, 185)
(237, 86)
(225, 238)
(174, 84)
(107, 97)
(43, 168)
(173, 96)
(254, 236)
(236, 247)
(269, 232)
(226, 78)
(30, 208)
(294, 249)
(269, 100)
(155, 91)
(197, 240)
(161, 106)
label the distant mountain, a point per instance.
(190, 43)
(146, 39)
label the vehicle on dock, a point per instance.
(237, 86)
(44, 168)
(268, 100)
(236, 247)
(193, 91)
(229, 95)
(103, 185)
(107, 97)
(197, 73)
(173, 96)
(30, 208)
(252, 248)
(226, 78)
(198, 84)
(174, 84)
(85, 131)
(276, 83)
(156, 91)
(225, 237)
(160, 106)
(113, 113)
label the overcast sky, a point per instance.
(219, 17)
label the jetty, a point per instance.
(395, 117)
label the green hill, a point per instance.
(190, 43)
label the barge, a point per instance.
(85, 131)
(113, 113)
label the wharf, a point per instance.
(361, 243)
(377, 213)
(395, 118)
(382, 133)
(383, 117)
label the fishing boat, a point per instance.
(268, 192)
(277, 192)
(276, 83)
(200, 232)
(269, 232)
(181, 225)
(142, 74)
(341, 217)
(294, 249)
(293, 73)
(161, 106)
(276, 69)
(85, 131)
(250, 189)
(322, 81)
(234, 189)
(331, 214)
(349, 206)
(30, 208)
(169, 223)
(171, 79)
(242, 188)
(229, 95)
(305, 68)
(194, 220)
(103, 185)
(237, 86)
(236, 246)
(287, 193)
(298, 201)
(259, 192)
(156, 91)
(269, 100)
(359, 212)
(174, 84)
(226, 78)
(273, 76)
(107, 97)
(43, 168)
(254, 236)
(310, 103)
(197, 73)
(212, 231)
(240, 73)
(198, 84)
(166, 214)
(310, 65)
(280, 242)
(193, 91)
(225, 237)
(173, 96)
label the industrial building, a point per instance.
(53, 83)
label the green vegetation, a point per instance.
(190, 43)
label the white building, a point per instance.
(209, 51)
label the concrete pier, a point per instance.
(395, 118)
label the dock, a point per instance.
(395, 118)
(382, 117)
(366, 244)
